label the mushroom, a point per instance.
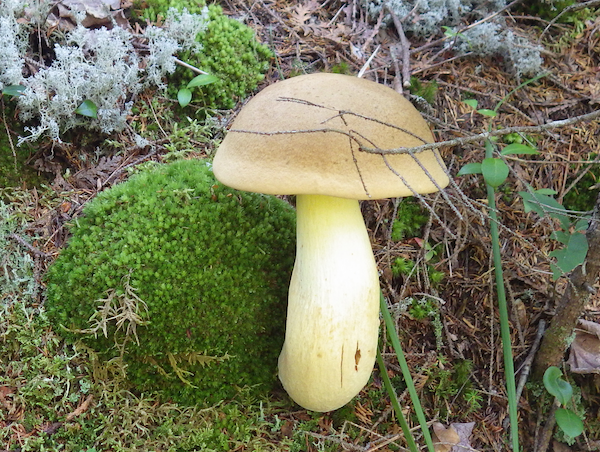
(306, 136)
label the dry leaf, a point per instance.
(91, 177)
(98, 14)
(464, 431)
(584, 356)
(302, 12)
(444, 438)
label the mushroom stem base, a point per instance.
(333, 310)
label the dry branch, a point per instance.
(354, 136)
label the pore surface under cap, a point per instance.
(303, 136)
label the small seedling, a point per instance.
(87, 108)
(13, 90)
(568, 421)
(184, 96)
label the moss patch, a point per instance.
(181, 278)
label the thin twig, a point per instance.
(424, 147)
(526, 367)
(544, 439)
(190, 67)
(405, 48)
(485, 135)
(30, 247)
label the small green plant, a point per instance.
(341, 68)
(409, 220)
(568, 421)
(495, 172)
(425, 90)
(184, 95)
(402, 266)
(406, 267)
(572, 237)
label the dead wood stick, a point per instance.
(21, 241)
(544, 439)
(424, 147)
(404, 48)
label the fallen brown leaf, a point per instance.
(584, 355)
(444, 438)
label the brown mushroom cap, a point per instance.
(302, 136)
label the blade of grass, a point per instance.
(393, 336)
(509, 367)
(394, 399)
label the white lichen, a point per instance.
(96, 65)
(101, 66)
(178, 33)
(13, 44)
(425, 18)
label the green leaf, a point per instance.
(572, 255)
(486, 112)
(546, 191)
(13, 90)
(569, 422)
(561, 236)
(494, 171)
(582, 224)
(470, 168)
(201, 80)
(543, 204)
(471, 103)
(489, 146)
(556, 386)
(184, 97)
(87, 108)
(516, 148)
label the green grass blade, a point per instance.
(393, 336)
(509, 367)
(394, 399)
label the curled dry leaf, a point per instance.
(444, 438)
(455, 438)
(584, 356)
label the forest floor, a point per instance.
(451, 336)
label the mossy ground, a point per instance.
(15, 168)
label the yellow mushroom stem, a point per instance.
(333, 308)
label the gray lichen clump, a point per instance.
(425, 18)
(101, 66)
(181, 279)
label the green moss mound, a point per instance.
(185, 278)
(230, 51)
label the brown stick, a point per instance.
(405, 50)
(576, 295)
